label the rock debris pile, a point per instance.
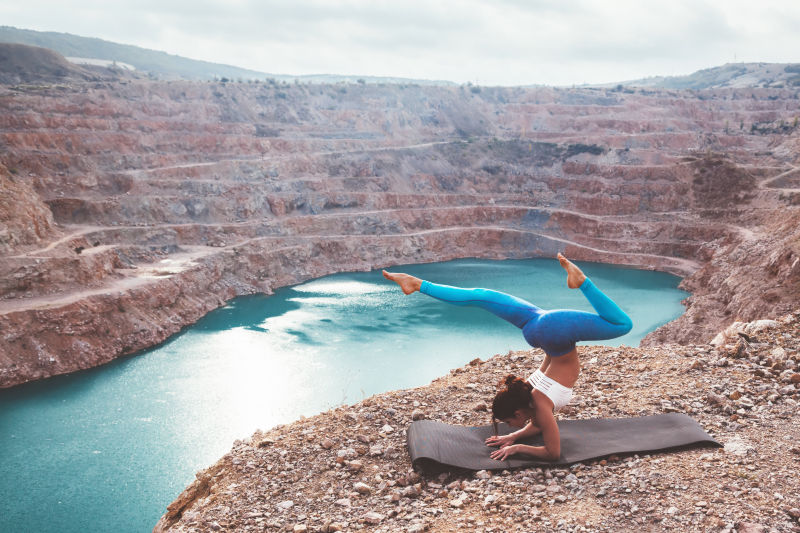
(348, 470)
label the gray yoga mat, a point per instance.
(436, 445)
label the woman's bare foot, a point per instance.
(575, 277)
(407, 282)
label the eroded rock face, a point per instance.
(135, 207)
(24, 219)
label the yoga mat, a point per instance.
(436, 445)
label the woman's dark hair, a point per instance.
(515, 393)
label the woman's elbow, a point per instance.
(553, 454)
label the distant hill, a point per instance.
(776, 75)
(20, 63)
(166, 66)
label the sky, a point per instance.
(484, 42)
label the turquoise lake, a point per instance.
(108, 449)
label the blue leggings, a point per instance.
(556, 331)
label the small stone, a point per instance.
(333, 527)
(355, 466)
(481, 406)
(390, 452)
(346, 453)
(749, 527)
(458, 504)
(482, 474)
(672, 510)
(327, 444)
(701, 503)
(344, 502)
(735, 395)
(417, 414)
(795, 378)
(376, 450)
(284, 505)
(715, 399)
(362, 488)
(412, 491)
(387, 429)
(300, 528)
(373, 518)
(362, 438)
(561, 498)
(361, 449)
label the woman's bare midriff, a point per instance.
(564, 368)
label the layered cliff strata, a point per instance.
(132, 208)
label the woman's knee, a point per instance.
(626, 325)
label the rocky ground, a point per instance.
(348, 469)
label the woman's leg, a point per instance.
(605, 306)
(557, 331)
(510, 308)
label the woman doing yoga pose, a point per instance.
(530, 404)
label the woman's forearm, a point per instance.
(545, 363)
(528, 431)
(540, 452)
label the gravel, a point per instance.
(349, 470)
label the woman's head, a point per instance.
(512, 403)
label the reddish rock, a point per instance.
(248, 187)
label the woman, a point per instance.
(530, 404)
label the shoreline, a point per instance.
(64, 339)
(347, 469)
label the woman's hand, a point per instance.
(501, 440)
(505, 452)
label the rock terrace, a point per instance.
(132, 208)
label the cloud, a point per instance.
(493, 42)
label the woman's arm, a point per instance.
(551, 450)
(529, 430)
(545, 364)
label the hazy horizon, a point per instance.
(507, 42)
